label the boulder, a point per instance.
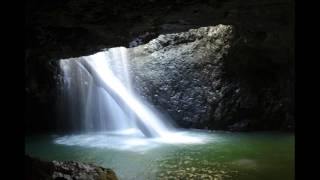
(37, 169)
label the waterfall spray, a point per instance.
(100, 88)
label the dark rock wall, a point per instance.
(262, 47)
(78, 27)
(263, 65)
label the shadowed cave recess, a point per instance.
(160, 72)
(245, 81)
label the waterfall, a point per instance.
(98, 94)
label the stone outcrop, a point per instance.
(188, 76)
(69, 170)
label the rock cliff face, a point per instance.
(188, 76)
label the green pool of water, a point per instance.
(222, 155)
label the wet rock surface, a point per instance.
(69, 170)
(188, 76)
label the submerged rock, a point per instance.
(67, 170)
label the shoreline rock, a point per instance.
(37, 169)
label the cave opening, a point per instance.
(175, 90)
(160, 90)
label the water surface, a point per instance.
(216, 154)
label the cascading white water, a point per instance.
(97, 92)
(100, 96)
